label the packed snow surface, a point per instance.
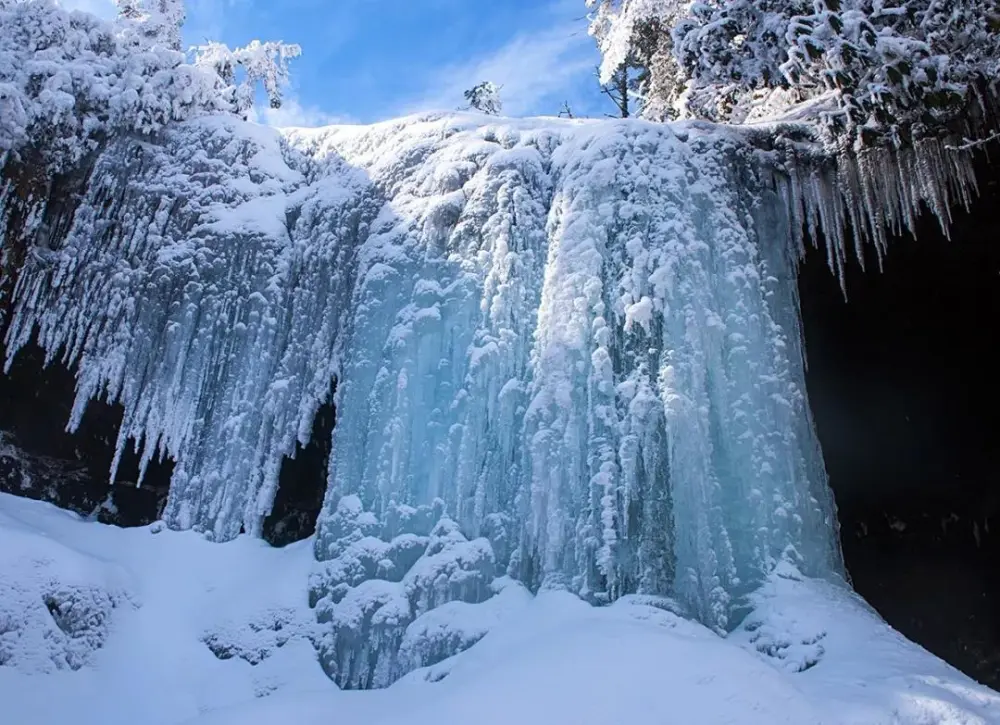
(200, 633)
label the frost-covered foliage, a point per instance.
(485, 97)
(242, 69)
(904, 68)
(56, 606)
(69, 80)
(153, 22)
(897, 69)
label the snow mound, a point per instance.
(255, 639)
(57, 607)
(374, 596)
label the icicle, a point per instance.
(866, 196)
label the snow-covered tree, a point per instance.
(485, 97)
(155, 22)
(243, 68)
(900, 68)
(891, 69)
(68, 79)
(637, 53)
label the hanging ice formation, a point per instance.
(567, 353)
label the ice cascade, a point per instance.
(567, 354)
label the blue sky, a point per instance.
(366, 60)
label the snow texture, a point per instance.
(575, 344)
(402, 601)
(547, 659)
(55, 604)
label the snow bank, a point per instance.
(554, 659)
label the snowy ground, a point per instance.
(103, 626)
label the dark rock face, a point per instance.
(904, 386)
(40, 460)
(302, 484)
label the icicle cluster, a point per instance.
(180, 289)
(865, 198)
(565, 352)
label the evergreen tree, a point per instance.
(625, 87)
(485, 97)
(637, 49)
(156, 22)
(889, 69)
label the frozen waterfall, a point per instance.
(567, 354)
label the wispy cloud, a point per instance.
(533, 68)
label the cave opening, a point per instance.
(40, 459)
(302, 482)
(903, 384)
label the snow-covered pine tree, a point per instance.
(156, 22)
(485, 97)
(241, 69)
(635, 40)
(891, 69)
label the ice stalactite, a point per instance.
(864, 198)
(179, 292)
(567, 353)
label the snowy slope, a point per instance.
(553, 659)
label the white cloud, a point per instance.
(293, 114)
(532, 68)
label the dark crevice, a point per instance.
(903, 384)
(302, 483)
(39, 459)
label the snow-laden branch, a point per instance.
(970, 144)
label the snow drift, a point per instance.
(551, 659)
